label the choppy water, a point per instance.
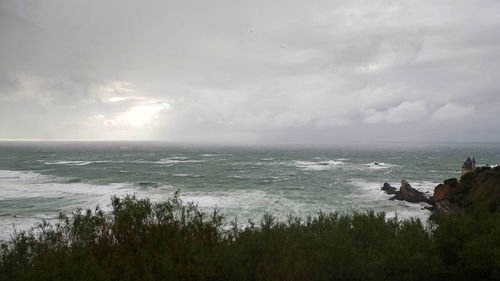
(40, 179)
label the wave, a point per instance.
(147, 184)
(177, 160)
(76, 162)
(231, 199)
(251, 204)
(28, 196)
(319, 166)
(368, 190)
(177, 157)
(8, 174)
(379, 165)
(73, 180)
(423, 186)
(370, 196)
(28, 184)
(215, 154)
(267, 159)
(186, 175)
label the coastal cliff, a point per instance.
(480, 187)
(442, 191)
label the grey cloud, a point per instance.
(254, 71)
(408, 111)
(452, 112)
(8, 84)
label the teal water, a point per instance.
(40, 179)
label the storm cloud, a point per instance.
(250, 71)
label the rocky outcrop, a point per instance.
(439, 200)
(406, 193)
(443, 206)
(410, 194)
(481, 186)
(442, 191)
(389, 189)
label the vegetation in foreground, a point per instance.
(170, 240)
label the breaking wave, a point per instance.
(319, 166)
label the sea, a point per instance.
(39, 180)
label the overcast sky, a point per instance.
(250, 71)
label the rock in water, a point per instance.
(389, 189)
(410, 194)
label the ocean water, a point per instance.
(38, 180)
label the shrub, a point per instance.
(140, 240)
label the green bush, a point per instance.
(170, 240)
(478, 188)
(469, 244)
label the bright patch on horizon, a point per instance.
(118, 91)
(144, 114)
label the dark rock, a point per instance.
(410, 194)
(453, 182)
(442, 191)
(389, 189)
(444, 207)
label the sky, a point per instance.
(250, 71)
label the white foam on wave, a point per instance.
(267, 159)
(319, 165)
(27, 197)
(243, 204)
(372, 197)
(186, 175)
(76, 162)
(26, 184)
(405, 210)
(424, 186)
(226, 199)
(370, 191)
(249, 204)
(7, 174)
(261, 163)
(176, 160)
(10, 224)
(177, 157)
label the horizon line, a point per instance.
(250, 143)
